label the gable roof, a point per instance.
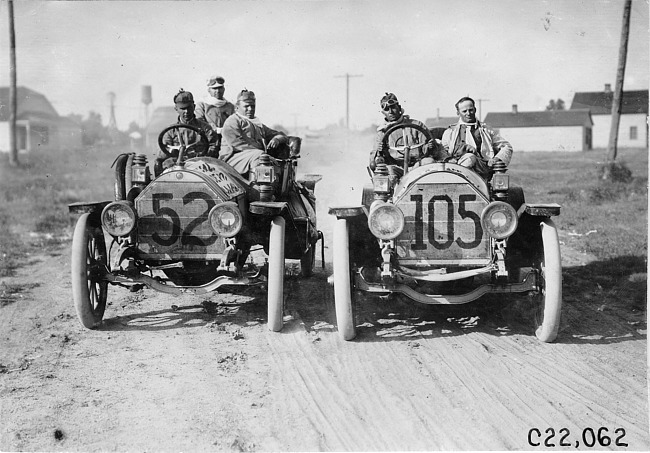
(545, 118)
(441, 121)
(29, 104)
(600, 102)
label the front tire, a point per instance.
(547, 319)
(88, 265)
(276, 274)
(342, 281)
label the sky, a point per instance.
(295, 54)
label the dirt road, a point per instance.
(209, 376)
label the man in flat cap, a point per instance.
(214, 108)
(244, 136)
(195, 146)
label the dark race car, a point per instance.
(443, 235)
(193, 227)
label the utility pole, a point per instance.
(480, 108)
(112, 123)
(13, 103)
(347, 96)
(618, 91)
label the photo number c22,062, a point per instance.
(589, 437)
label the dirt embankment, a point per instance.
(210, 376)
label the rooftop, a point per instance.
(29, 104)
(545, 118)
(600, 102)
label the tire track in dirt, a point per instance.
(487, 379)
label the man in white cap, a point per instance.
(245, 137)
(214, 108)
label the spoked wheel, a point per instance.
(343, 281)
(547, 319)
(89, 265)
(276, 274)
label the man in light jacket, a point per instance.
(214, 108)
(245, 137)
(473, 144)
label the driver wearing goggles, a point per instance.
(394, 114)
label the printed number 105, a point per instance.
(446, 204)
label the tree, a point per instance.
(13, 104)
(555, 105)
(610, 162)
(134, 127)
(92, 130)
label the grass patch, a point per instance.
(34, 199)
(616, 213)
(12, 250)
(12, 293)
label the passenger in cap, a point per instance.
(195, 146)
(245, 136)
(214, 108)
(394, 114)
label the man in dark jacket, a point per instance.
(195, 146)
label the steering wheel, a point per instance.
(402, 149)
(166, 149)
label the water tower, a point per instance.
(146, 100)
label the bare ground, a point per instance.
(205, 374)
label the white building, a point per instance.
(633, 126)
(548, 130)
(38, 125)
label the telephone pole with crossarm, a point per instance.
(347, 96)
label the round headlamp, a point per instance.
(386, 221)
(226, 219)
(499, 220)
(118, 218)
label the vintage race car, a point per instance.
(443, 235)
(193, 227)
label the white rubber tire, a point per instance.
(342, 281)
(88, 292)
(276, 274)
(548, 323)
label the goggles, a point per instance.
(389, 105)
